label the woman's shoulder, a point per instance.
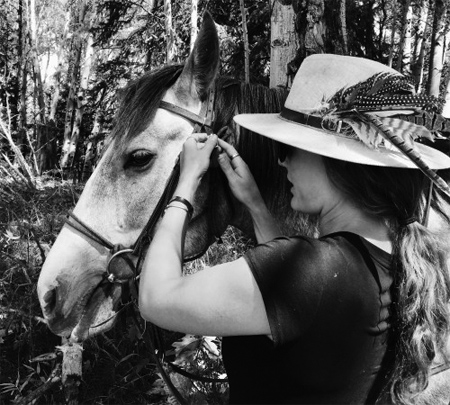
(301, 250)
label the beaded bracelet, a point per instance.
(186, 203)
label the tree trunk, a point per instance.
(404, 51)
(70, 104)
(420, 46)
(194, 18)
(22, 80)
(59, 69)
(393, 31)
(369, 23)
(41, 127)
(81, 102)
(245, 39)
(283, 43)
(343, 20)
(382, 25)
(446, 106)
(170, 35)
(437, 49)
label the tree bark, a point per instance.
(404, 51)
(81, 99)
(170, 35)
(283, 43)
(59, 69)
(22, 79)
(70, 104)
(420, 46)
(393, 32)
(41, 127)
(245, 40)
(343, 20)
(437, 49)
(446, 106)
(194, 18)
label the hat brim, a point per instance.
(334, 145)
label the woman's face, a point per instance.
(312, 191)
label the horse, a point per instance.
(79, 287)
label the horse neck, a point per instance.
(259, 152)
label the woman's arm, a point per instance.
(223, 300)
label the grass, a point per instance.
(117, 366)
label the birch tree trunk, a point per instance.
(446, 106)
(343, 19)
(81, 100)
(437, 49)
(245, 39)
(420, 46)
(283, 43)
(59, 69)
(41, 127)
(70, 104)
(170, 36)
(21, 78)
(404, 52)
(393, 32)
(194, 18)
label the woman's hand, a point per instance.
(195, 157)
(245, 189)
(240, 179)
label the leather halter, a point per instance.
(203, 122)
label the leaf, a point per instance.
(10, 235)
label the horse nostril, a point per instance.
(49, 302)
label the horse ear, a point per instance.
(202, 64)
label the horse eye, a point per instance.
(139, 159)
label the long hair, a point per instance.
(421, 287)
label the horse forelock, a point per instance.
(139, 102)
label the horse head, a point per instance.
(124, 189)
(129, 184)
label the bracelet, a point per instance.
(177, 206)
(187, 204)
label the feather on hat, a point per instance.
(360, 111)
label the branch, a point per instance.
(18, 311)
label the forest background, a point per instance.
(62, 66)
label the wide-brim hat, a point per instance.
(324, 94)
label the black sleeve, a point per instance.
(292, 274)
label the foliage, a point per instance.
(117, 365)
(129, 39)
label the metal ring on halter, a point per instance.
(111, 276)
(234, 156)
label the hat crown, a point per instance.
(322, 75)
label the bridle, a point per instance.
(203, 122)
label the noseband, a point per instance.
(203, 123)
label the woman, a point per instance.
(338, 318)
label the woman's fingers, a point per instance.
(230, 150)
(225, 165)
